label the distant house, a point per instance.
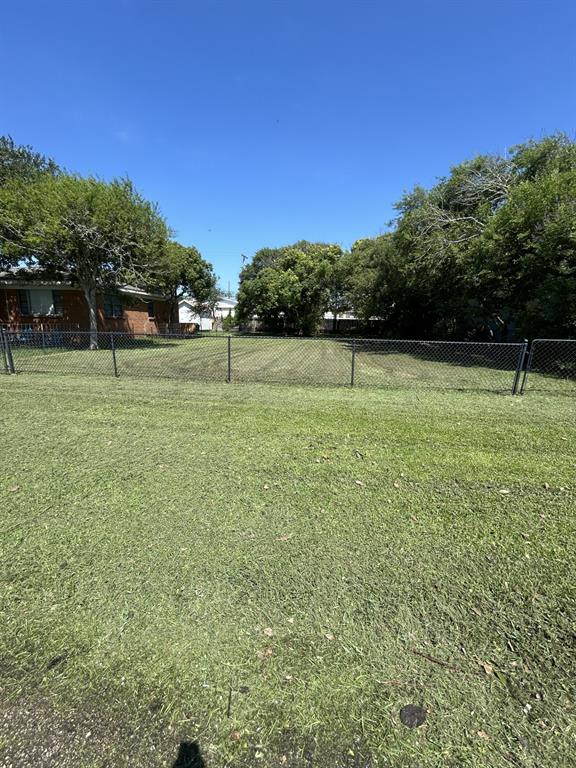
(206, 321)
(30, 297)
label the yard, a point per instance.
(273, 572)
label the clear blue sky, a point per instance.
(256, 123)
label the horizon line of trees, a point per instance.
(101, 234)
(489, 252)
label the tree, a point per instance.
(375, 280)
(99, 234)
(288, 288)
(181, 271)
(527, 263)
(22, 162)
(488, 250)
(339, 298)
(207, 302)
(18, 164)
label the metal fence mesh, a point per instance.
(551, 366)
(323, 361)
(203, 358)
(290, 360)
(454, 364)
(58, 352)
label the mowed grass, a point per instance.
(286, 360)
(275, 571)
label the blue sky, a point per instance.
(258, 122)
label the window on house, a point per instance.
(151, 313)
(112, 305)
(40, 301)
(24, 299)
(58, 303)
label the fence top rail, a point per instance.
(220, 335)
(68, 332)
(555, 340)
(212, 334)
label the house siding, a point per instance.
(75, 313)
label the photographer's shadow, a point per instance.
(189, 756)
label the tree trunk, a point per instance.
(173, 308)
(335, 323)
(90, 296)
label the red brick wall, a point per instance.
(135, 316)
(75, 313)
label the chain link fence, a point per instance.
(485, 366)
(551, 366)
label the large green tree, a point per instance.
(526, 261)
(99, 234)
(375, 280)
(21, 165)
(487, 251)
(181, 271)
(289, 288)
(22, 162)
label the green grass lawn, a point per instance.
(275, 571)
(286, 360)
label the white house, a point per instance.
(206, 321)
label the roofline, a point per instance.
(191, 302)
(67, 286)
(130, 291)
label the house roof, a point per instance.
(33, 274)
(23, 277)
(222, 303)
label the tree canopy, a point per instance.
(19, 165)
(488, 252)
(99, 234)
(181, 271)
(22, 162)
(289, 287)
(491, 249)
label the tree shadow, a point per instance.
(189, 756)
(497, 356)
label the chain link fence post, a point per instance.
(353, 369)
(10, 356)
(3, 348)
(528, 366)
(519, 367)
(113, 348)
(8, 359)
(229, 374)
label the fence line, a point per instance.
(489, 366)
(49, 326)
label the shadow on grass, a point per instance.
(491, 355)
(500, 356)
(189, 756)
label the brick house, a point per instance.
(32, 299)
